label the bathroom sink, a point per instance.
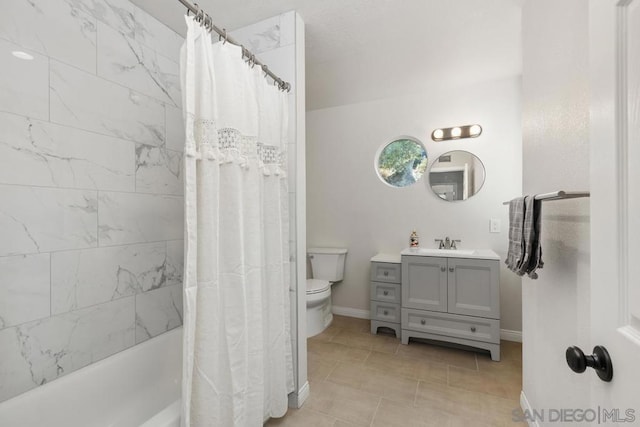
(443, 252)
(452, 253)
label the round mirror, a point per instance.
(456, 175)
(401, 162)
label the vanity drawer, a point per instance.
(452, 325)
(385, 292)
(387, 312)
(385, 272)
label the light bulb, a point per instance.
(475, 130)
(22, 55)
(438, 134)
(456, 132)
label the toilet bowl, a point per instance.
(319, 314)
(327, 265)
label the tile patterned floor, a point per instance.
(360, 379)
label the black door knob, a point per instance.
(599, 360)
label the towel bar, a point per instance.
(559, 195)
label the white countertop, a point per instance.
(390, 258)
(453, 253)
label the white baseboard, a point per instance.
(507, 335)
(526, 407)
(350, 312)
(296, 400)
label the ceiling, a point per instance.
(362, 50)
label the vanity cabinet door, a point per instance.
(424, 283)
(474, 287)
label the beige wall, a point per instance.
(348, 206)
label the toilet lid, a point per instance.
(315, 286)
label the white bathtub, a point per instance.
(137, 387)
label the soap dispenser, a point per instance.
(413, 239)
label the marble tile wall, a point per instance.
(91, 208)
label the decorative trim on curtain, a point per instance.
(230, 145)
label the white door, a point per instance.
(615, 205)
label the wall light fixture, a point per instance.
(458, 132)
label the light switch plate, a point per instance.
(494, 225)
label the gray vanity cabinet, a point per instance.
(452, 299)
(385, 293)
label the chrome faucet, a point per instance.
(447, 243)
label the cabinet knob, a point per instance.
(473, 329)
(451, 269)
(386, 312)
(386, 273)
(385, 293)
(443, 269)
(423, 322)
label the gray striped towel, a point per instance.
(525, 252)
(516, 239)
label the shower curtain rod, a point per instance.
(205, 20)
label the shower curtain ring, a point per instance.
(266, 70)
(199, 14)
(253, 60)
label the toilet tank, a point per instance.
(327, 263)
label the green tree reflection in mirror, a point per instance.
(402, 162)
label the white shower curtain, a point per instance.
(238, 365)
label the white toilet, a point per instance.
(327, 266)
